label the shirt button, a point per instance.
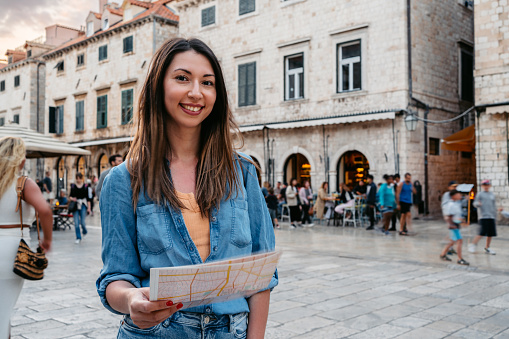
(206, 320)
(192, 249)
(214, 219)
(215, 248)
(208, 310)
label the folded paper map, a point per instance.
(213, 282)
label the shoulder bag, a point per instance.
(28, 264)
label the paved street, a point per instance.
(334, 282)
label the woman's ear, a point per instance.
(22, 164)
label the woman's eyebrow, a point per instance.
(189, 72)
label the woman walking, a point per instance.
(183, 196)
(12, 161)
(292, 199)
(387, 201)
(79, 193)
(321, 199)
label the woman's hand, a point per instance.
(45, 244)
(146, 313)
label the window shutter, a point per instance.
(60, 110)
(251, 83)
(246, 6)
(242, 85)
(52, 120)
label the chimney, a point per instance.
(102, 5)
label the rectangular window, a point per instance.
(247, 84)
(80, 115)
(2, 85)
(102, 111)
(127, 106)
(29, 53)
(349, 67)
(90, 28)
(2, 121)
(128, 44)
(294, 77)
(246, 6)
(60, 66)
(467, 74)
(103, 52)
(16, 81)
(81, 60)
(15, 119)
(434, 146)
(208, 16)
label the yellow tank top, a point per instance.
(197, 225)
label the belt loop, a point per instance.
(230, 325)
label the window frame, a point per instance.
(104, 48)
(101, 113)
(213, 23)
(124, 40)
(78, 64)
(436, 146)
(80, 115)
(294, 72)
(339, 67)
(90, 28)
(246, 86)
(2, 86)
(60, 66)
(2, 121)
(15, 118)
(465, 49)
(124, 105)
(17, 81)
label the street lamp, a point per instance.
(411, 122)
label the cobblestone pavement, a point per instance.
(335, 282)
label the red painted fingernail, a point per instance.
(179, 306)
(169, 303)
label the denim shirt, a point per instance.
(156, 236)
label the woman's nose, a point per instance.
(195, 91)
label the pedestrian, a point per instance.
(404, 194)
(272, 203)
(306, 199)
(485, 202)
(396, 215)
(282, 199)
(360, 189)
(91, 196)
(446, 197)
(12, 161)
(183, 196)
(62, 198)
(387, 201)
(322, 199)
(114, 160)
(371, 201)
(454, 217)
(292, 199)
(79, 193)
(47, 187)
(265, 188)
(347, 198)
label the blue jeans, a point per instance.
(79, 218)
(189, 325)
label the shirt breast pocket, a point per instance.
(153, 229)
(240, 234)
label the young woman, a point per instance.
(347, 198)
(292, 199)
(182, 197)
(321, 200)
(387, 201)
(12, 161)
(79, 193)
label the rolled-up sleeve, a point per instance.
(262, 231)
(119, 248)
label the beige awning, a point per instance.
(497, 109)
(39, 145)
(462, 141)
(320, 121)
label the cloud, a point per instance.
(22, 20)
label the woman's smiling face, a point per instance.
(189, 89)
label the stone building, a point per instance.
(492, 95)
(321, 88)
(22, 83)
(93, 82)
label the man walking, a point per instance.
(397, 214)
(404, 193)
(371, 201)
(114, 160)
(47, 187)
(485, 201)
(454, 218)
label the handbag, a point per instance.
(73, 206)
(28, 264)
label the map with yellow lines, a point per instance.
(213, 282)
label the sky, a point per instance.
(22, 20)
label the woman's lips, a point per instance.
(191, 110)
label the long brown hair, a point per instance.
(216, 172)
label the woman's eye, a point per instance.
(208, 83)
(181, 77)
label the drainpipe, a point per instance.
(40, 162)
(426, 177)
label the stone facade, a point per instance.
(491, 94)
(277, 29)
(92, 78)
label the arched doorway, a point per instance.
(81, 165)
(258, 174)
(297, 166)
(61, 175)
(102, 164)
(352, 167)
